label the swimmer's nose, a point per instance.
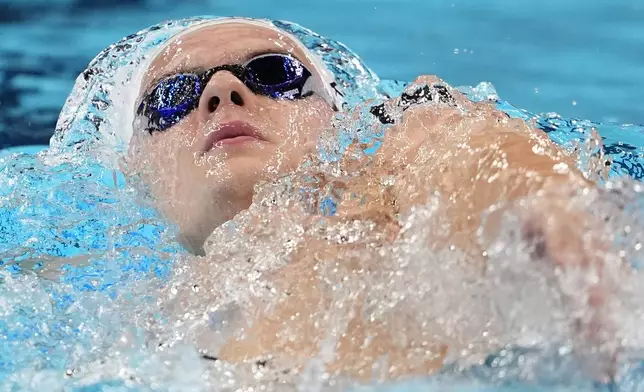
(223, 89)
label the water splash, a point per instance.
(97, 294)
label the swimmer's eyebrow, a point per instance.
(249, 56)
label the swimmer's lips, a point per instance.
(232, 133)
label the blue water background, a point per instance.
(580, 58)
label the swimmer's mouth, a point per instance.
(231, 133)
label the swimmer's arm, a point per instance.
(473, 152)
(514, 160)
(488, 162)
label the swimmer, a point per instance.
(235, 102)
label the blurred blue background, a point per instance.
(580, 58)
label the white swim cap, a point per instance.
(99, 113)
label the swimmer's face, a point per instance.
(203, 168)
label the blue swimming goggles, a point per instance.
(275, 75)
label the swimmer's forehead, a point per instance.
(211, 46)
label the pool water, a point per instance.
(91, 272)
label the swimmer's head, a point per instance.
(222, 106)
